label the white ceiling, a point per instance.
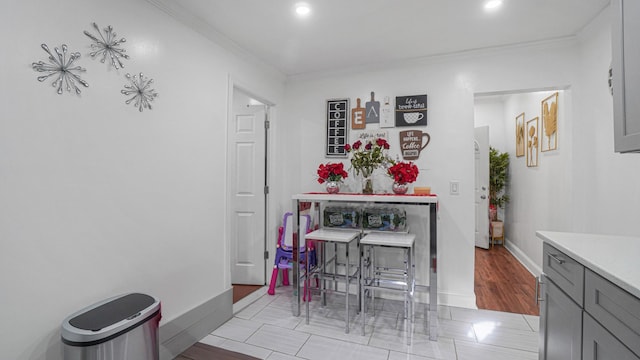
(343, 34)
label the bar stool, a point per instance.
(374, 277)
(322, 237)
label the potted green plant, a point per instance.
(498, 178)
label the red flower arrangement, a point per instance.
(404, 173)
(331, 172)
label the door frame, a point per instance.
(482, 193)
(269, 239)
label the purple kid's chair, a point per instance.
(284, 251)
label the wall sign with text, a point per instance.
(411, 110)
(337, 126)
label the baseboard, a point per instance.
(249, 299)
(179, 334)
(457, 300)
(526, 261)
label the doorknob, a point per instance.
(484, 188)
(483, 197)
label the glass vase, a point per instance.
(400, 188)
(367, 184)
(333, 187)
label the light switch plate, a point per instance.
(454, 187)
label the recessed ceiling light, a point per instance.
(492, 4)
(303, 9)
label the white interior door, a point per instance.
(481, 145)
(246, 179)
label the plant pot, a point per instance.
(493, 213)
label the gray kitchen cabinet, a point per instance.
(562, 319)
(585, 312)
(600, 344)
(618, 312)
(560, 306)
(626, 74)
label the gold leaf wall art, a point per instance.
(532, 142)
(549, 133)
(520, 136)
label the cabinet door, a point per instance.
(626, 74)
(599, 344)
(560, 324)
(615, 309)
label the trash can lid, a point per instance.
(106, 318)
(112, 312)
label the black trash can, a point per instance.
(120, 328)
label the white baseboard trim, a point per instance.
(179, 334)
(526, 261)
(249, 299)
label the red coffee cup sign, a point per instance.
(412, 142)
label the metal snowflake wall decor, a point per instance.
(107, 46)
(139, 88)
(61, 67)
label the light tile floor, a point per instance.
(266, 329)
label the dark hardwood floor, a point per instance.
(240, 291)
(502, 283)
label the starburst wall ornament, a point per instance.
(61, 67)
(107, 46)
(139, 88)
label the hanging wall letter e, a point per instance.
(358, 116)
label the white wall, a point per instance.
(540, 196)
(489, 111)
(450, 83)
(606, 191)
(96, 198)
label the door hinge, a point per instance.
(266, 255)
(266, 189)
(267, 123)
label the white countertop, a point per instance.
(616, 258)
(382, 198)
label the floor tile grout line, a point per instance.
(448, 316)
(502, 347)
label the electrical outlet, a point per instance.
(454, 187)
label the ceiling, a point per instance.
(347, 34)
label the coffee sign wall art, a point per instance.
(411, 110)
(412, 142)
(337, 126)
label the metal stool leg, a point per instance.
(347, 279)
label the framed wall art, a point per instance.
(337, 126)
(532, 142)
(411, 110)
(549, 133)
(520, 135)
(386, 113)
